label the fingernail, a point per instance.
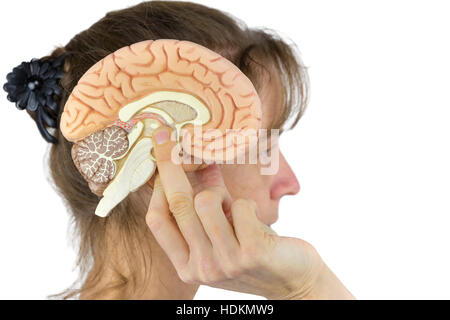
(161, 136)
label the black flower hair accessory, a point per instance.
(34, 86)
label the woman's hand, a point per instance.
(214, 240)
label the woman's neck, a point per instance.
(164, 282)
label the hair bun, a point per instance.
(34, 86)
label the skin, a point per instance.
(212, 227)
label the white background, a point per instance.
(371, 153)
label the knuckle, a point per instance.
(153, 221)
(207, 271)
(205, 268)
(238, 202)
(251, 203)
(206, 198)
(233, 270)
(179, 203)
(244, 203)
(186, 277)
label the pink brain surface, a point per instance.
(133, 72)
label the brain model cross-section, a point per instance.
(118, 103)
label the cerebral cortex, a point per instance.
(117, 104)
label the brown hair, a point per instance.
(113, 254)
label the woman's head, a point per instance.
(118, 248)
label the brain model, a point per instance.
(118, 103)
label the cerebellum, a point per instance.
(94, 156)
(119, 101)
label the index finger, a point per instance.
(178, 190)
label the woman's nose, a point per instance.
(285, 182)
